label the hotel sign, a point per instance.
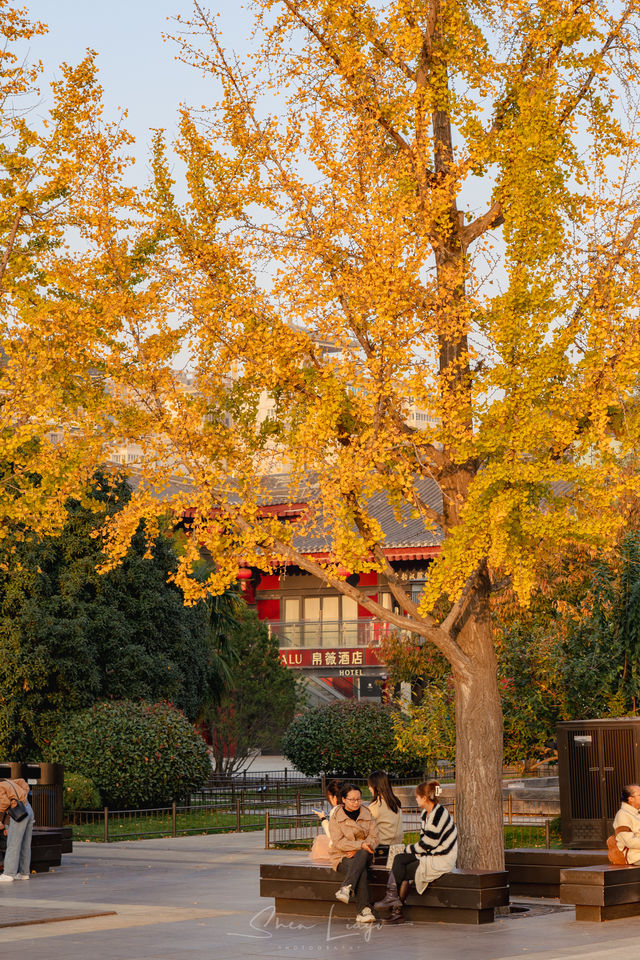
(342, 659)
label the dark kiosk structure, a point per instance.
(596, 758)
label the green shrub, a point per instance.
(80, 793)
(137, 754)
(350, 737)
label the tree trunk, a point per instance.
(479, 745)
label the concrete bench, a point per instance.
(46, 848)
(462, 896)
(535, 872)
(602, 892)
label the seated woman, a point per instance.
(626, 824)
(321, 849)
(386, 809)
(435, 852)
(354, 837)
(387, 812)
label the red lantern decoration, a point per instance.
(244, 575)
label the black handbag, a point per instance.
(18, 812)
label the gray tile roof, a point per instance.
(400, 528)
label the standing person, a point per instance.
(626, 824)
(354, 838)
(435, 852)
(17, 857)
(321, 848)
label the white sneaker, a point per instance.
(5, 878)
(22, 876)
(344, 893)
(365, 916)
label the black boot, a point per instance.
(391, 897)
(397, 912)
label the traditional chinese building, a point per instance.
(330, 638)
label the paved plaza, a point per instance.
(197, 898)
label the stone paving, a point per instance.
(197, 898)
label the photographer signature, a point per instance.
(266, 922)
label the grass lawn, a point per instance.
(134, 826)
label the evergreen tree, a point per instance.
(260, 699)
(70, 636)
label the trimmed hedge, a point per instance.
(137, 754)
(80, 793)
(350, 737)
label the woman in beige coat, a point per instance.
(17, 857)
(354, 838)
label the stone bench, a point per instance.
(602, 892)
(46, 848)
(462, 896)
(535, 872)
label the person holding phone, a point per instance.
(354, 837)
(321, 848)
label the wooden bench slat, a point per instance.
(605, 875)
(416, 914)
(591, 895)
(613, 912)
(475, 879)
(432, 897)
(561, 858)
(542, 890)
(533, 873)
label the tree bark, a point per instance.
(479, 743)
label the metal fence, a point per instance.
(526, 824)
(287, 781)
(176, 820)
(270, 803)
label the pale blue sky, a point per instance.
(138, 71)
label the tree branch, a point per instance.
(427, 628)
(584, 88)
(11, 241)
(373, 111)
(452, 623)
(492, 218)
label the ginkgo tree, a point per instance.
(65, 277)
(429, 203)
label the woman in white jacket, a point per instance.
(626, 823)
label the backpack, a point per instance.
(616, 856)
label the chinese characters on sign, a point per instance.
(328, 658)
(340, 658)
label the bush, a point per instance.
(351, 738)
(80, 793)
(137, 754)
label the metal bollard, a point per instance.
(174, 832)
(106, 824)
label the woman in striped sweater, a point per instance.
(434, 853)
